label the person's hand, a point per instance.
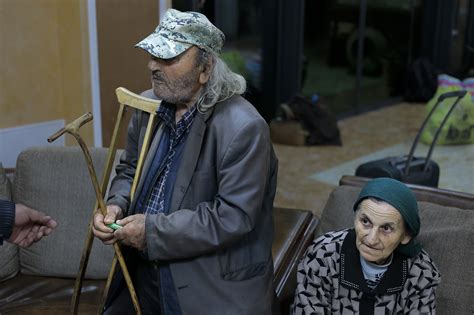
(100, 228)
(30, 226)
(132, 232)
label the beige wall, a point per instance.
(44, 62)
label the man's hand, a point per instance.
(30, 226)
(132, 232)
(100, 228)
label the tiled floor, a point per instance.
(361, 135)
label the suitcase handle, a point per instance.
(459, 94)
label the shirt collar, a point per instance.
(188, 118)
(167, 113)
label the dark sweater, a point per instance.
(7, 218)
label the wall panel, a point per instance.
(44, 72)
(120, 25)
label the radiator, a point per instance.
(16, 139)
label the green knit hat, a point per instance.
(401, 198)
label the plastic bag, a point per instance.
(459, 128)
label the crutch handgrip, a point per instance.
(125, 96)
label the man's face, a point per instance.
(379, 230)
(177, 80)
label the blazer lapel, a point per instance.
(189, 158)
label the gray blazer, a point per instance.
(219, 232)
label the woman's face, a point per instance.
(379, 230)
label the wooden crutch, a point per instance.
(126, 99)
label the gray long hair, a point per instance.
(222, 83)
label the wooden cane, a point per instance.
(72, 129)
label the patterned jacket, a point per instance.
(330, 281)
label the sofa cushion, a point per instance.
(446, 234)
(8, 253)
(56, 181)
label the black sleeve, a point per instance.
(7, 218)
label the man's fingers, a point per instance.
(99, 224)
(129, 219)
(47, 231)
(52, 224)
(35, 229)
(25, 243)
(38, 236)
(125, 220)
(37, 216)
(101, 231)
(105, 237)
(133, 231)
(110, 218)
(114, 212)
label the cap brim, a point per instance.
(158, 45)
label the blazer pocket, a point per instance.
(238, 264)
(251, 271)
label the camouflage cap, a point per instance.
(180, 30)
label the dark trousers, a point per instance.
(146, 282)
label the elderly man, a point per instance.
(374, 268)
(23, 226)
(198, 235)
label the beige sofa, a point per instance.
(40, 279)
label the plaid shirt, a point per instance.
(177, 132)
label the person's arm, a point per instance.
(7, 219)
(28, 227)
(421, 297)
(314, 284)
(242, 179)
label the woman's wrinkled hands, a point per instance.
(100, 228)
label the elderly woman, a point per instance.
(375, 267)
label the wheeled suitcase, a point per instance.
(408, 168)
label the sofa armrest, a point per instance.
(294, 231)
